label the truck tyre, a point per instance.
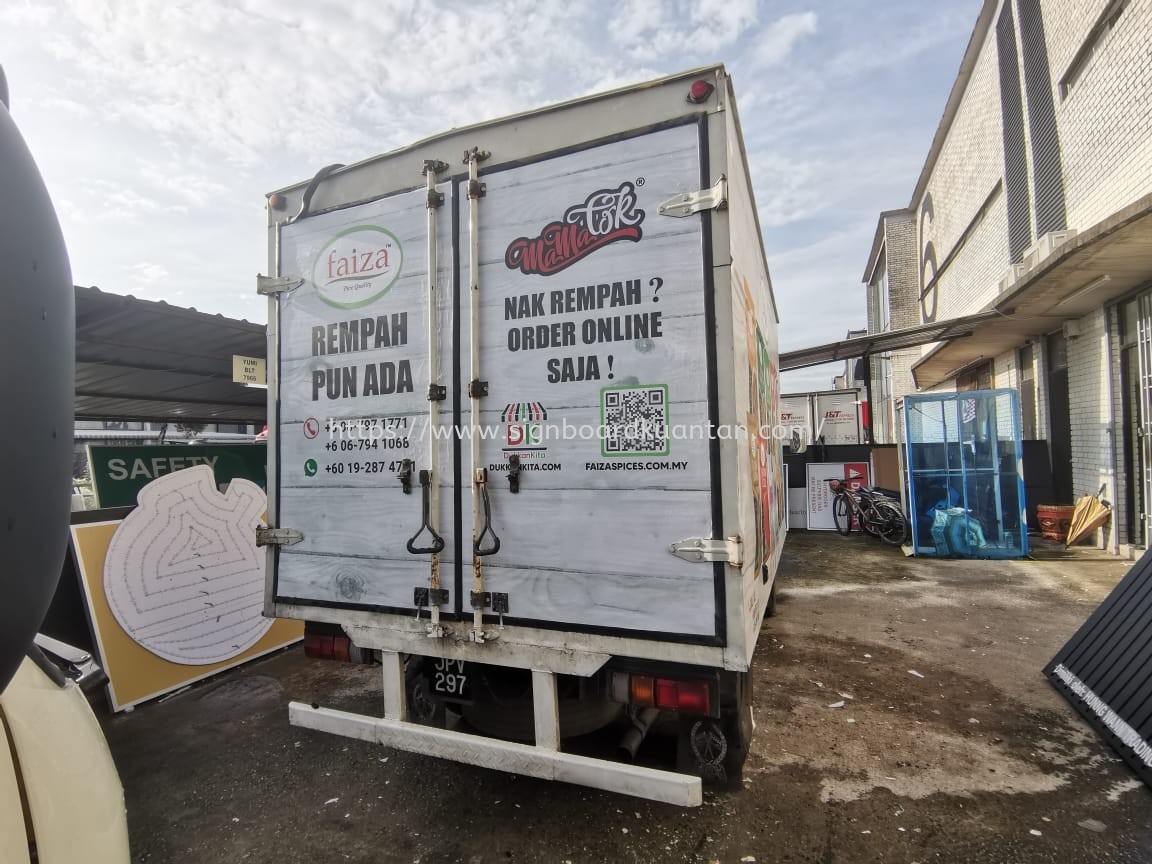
(770, 608)
(423, 707)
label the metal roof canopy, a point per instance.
(147, 360)
(1109, 260)
(881, 343)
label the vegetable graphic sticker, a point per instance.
(357, 266)
(183, 576)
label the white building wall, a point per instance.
(1105, 118)
(1004, 371)
(967, 171)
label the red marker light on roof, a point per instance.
(699, 92)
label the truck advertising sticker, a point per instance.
(605, 216)
(357, 266)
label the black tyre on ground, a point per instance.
(715, 748)
(894, 528)
(423, 707)
(842, 513)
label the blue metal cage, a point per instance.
(964, 472)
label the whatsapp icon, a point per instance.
(310, 468)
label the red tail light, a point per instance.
(690, 696)
(320, 646)
(699, 92)
(669, 694)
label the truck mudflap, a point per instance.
(543, 760)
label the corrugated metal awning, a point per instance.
(1095, 267)
(1104, 671)
(147, 360)
(872, 344)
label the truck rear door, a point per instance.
(594, 315)
(594, 376)
(354, 374)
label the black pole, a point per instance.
(869, 439)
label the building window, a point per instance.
(1012, 124)
(1089, 47)
(881, 317)
(977, 378)
(1047, 171)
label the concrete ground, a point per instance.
(901, 715)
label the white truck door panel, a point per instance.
(354, 379)
(593, 343)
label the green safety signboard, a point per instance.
(119, 473)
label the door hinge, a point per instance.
(702, 549)
(687, 203)
(278, 536)
(269, 285)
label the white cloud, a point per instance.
(148, 272)
(719, 23)
(158, 127)
(649, 28)
(781, 36)
(25, 12)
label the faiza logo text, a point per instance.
(606, 216)
(357, 266)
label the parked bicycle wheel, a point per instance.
(842, 513)
(894, 528)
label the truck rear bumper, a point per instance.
(538, 761)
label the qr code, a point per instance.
(635, 420)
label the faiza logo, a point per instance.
(357, 266)
(606, 216)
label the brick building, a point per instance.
(1035, 201)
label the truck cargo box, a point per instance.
(522, 394)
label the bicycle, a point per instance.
(877, 514)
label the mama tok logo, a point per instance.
(357, 266)
(605, 216)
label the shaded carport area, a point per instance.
(147, 360)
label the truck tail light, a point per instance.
(690, 696)
(699, 92)
(668, 694)
(642, 691)
(320, 646)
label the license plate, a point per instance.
(451, 679)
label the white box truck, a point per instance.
(522, 382)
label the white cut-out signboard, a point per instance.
(183, 576)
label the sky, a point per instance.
(160, 125)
